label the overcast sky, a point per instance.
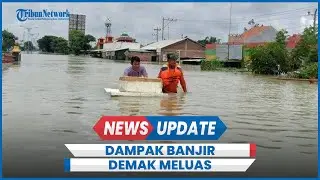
(195, 20)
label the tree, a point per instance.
(89, 38)
(208, 40)
(265, 59)
(79, 41)
(306, 50)
(8, 40)
(45, 44)
(60, 45)
(53, 44)
(28, 46)
(281, 37)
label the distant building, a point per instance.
(257, 35)
(119, 48)
(186, 49)
(124, 37)
(125, 47)
(293, 40)
(77, 22)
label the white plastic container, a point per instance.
(140, 85)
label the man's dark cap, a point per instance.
(172, 56)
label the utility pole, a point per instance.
(28, 39)
(229, 31)
(165, 25)
(157, 32)
(162, 28)
(29, 36)
(314, 19)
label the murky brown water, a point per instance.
(51, 100)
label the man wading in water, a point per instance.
(171, 74)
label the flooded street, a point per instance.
(51, 100)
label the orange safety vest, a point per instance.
(170, 78)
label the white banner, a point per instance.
(162, 150)
(156, 165)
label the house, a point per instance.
(257, 35)
(116, 50)
(186, 49)
(144, 55)
(293, 40)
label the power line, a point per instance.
(169, 20)
(293, 11)
(29, 37)
(293, 15)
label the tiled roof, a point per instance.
(253, 32)
(248, 34)
(293, 40)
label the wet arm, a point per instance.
(183, 83)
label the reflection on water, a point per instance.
(137, 105)
(13, 66)
(76, 65)
(172, 105)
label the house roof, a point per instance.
(249, 33)
(161, 44)
(254, 31)
(115, 46)
(165, 43)
(293, 40)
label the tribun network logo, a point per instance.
(45, 14)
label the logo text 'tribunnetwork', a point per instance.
(29, 14)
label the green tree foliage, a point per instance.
(308, 71)
(301, 61)
(8, 40)
(60, 45)
(89, 38)
(79, 41)
(265, 59)
(281, 37)
(28, 46)
(53, 44)
(45, 44)
(208, 40)
(306, 50)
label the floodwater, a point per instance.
(51, 100)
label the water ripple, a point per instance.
(268, 147)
